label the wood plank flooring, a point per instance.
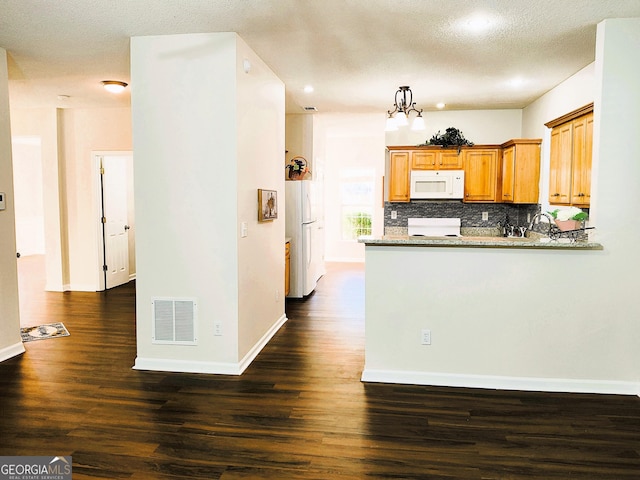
(299, 411)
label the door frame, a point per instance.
(100, 250)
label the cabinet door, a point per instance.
(424, 160)
(449, 160)
(508, 171)
(581, 166)
(399, 177)
(480, 175)
(560, 165)
(526, 173)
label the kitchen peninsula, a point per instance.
(499, 312)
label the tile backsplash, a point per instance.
(470, 214)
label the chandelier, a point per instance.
(403, 106)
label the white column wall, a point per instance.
(206, 136)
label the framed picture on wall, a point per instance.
(267, 205)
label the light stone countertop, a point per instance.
(478, 241)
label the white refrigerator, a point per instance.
(305, 230)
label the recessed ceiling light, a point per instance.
(114, 86)
(516, 82)
(440, 105)
(478, 23)
(308, 89)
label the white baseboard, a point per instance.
(186, 366)
(502, 383)
(220, 368)
(257, 348)
(11, 351)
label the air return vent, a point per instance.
(174, 321)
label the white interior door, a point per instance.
(115, 218)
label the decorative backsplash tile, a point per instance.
(470, 214)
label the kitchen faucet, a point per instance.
(541, 215)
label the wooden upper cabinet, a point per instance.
(481, 175)
(423, 160)
(436, 159)
(560, 165)
(520, 171)
(570, 159)
(399, 176)
(581, 166)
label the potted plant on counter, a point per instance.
(569, 218)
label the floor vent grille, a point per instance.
(174, 321)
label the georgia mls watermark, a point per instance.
(35, 468)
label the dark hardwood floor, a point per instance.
(298, 412)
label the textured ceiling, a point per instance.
(354, 52)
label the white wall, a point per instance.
(260, 143)
(200, 156)
(342, 142)
(543, 320)
(482, 127)
(10, 342)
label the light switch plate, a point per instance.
(3, 203)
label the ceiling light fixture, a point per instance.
(114, 86)
(403, 106)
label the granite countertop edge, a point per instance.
(475, 241)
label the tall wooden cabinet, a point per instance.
(570, 158)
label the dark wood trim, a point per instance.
(570, 116)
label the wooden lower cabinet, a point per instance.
(481, 175)
(287, 268)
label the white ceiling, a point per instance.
(354, 52)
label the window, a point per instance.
(356, 196)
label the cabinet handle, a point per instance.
(555, 195)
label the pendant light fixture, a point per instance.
(403, 106)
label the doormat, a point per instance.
(42, 332)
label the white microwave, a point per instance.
(437, 184)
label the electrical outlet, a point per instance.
(485, 216)
(217, 329)
(394, 215)
(528, 218)
(426, 337)
(244, 229)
